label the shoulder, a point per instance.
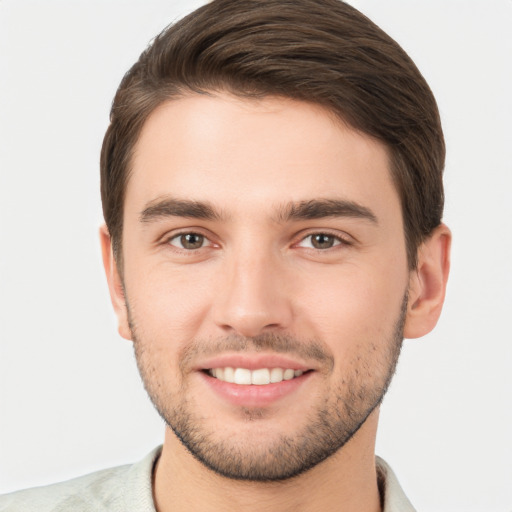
(392, 494)
(89, 492)
(116, 489)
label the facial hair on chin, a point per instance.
(327, 429)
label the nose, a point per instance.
(253, 295)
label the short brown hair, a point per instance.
(320, 51)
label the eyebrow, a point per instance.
(293, 211)
(171, 207)
(323, 208)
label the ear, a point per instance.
(115, 284)
(427, 285)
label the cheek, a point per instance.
(167, 303)
(355, 306)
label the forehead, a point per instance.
(248, 156)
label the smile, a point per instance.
(258, 377)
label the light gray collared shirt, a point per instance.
(129, 489)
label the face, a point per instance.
(265, 278)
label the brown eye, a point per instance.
(192, 241)
(189, 241)
(322, 241)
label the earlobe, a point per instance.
(115, 284)
(427, 285)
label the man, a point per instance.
(272, 192)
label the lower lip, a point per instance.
(254, 395)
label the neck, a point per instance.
(345, 482)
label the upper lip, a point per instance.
(252, 362)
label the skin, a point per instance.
(257, 275)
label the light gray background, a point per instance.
(70, 397)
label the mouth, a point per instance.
(256, 377)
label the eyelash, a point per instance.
(177, 236)
(337, 241)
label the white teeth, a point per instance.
(229, 374)
(242, 376)
(288, 374)
(276, 375)
(259, 377)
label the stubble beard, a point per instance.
(347, 406)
